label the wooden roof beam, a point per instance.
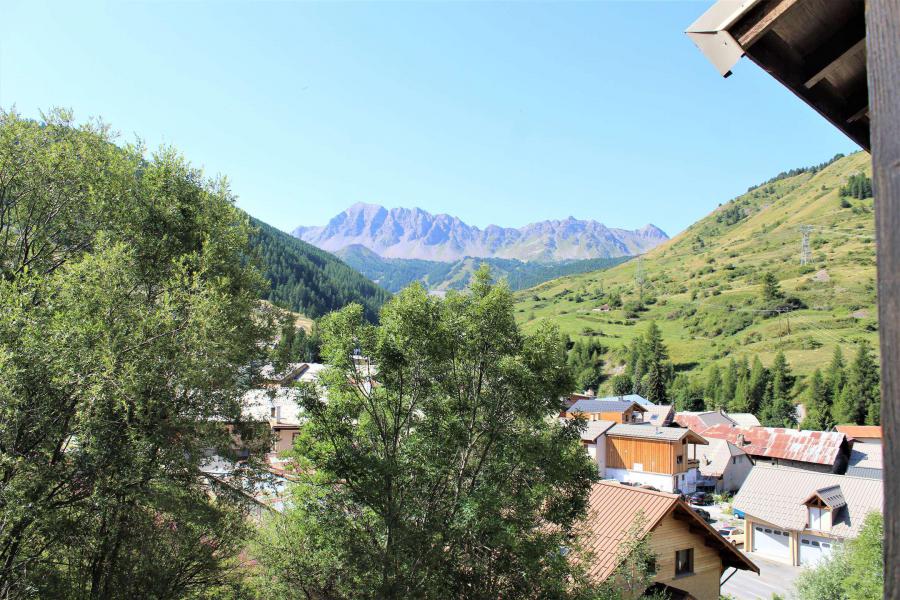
(759, 20)
(849, 39)
(783, 63)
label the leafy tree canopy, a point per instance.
(446, 478)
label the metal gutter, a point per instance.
(710, 33)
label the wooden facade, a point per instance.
(652, 456)
(670, 536)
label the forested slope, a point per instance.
(309, 280)
(394, 274)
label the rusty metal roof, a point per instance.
(819, 447)
(613, 509)
(698, 421)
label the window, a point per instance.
(684, 562)
(804, 542)
(272, 412)
(768, 531)
(758, 528)
(679, 459)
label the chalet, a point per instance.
(821, 451)
(654, 456)
(594, 440)
(723, 466)
(690, 556)
(798, 517)
(866, 434)
(277, 402)
(607, 409)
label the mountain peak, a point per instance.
(416, 233)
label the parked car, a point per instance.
(735, 536)
(703, 514)
(700, 499)
(738, 514)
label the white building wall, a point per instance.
(735, 473)
(664, 483)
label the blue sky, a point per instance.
(504, 113)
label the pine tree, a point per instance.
(658, 370)
(818, 413)
(712, 386)
(729, 385)
(686, 394)
(756, 386)
(835, 378)
(860, 399)
(771, 291)
(778, 410)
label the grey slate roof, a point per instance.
(777, 495)
(601, 406)
(650, 432)
(595, 429)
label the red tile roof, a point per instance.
(819, 447)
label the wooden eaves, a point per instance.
(815, 48)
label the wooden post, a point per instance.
(883, 65)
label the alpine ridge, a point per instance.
(416, 234)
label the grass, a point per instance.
(706, 281)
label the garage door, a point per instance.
(814, 549)
(773, 543)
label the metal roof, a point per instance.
(819, 447)
(651, 432)
(860, 431)
(831, 496)
(778, 495)
(866, 456)
(698, 421)
(815, 48)
(595, 429)
(715, 457)
(744, 419)
(613, 509)
(603, 406)
(659, 414)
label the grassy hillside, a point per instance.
(703, 287)
(308, 280)
(394, 274)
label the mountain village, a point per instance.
(730, 507)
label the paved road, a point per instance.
(774, 578)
